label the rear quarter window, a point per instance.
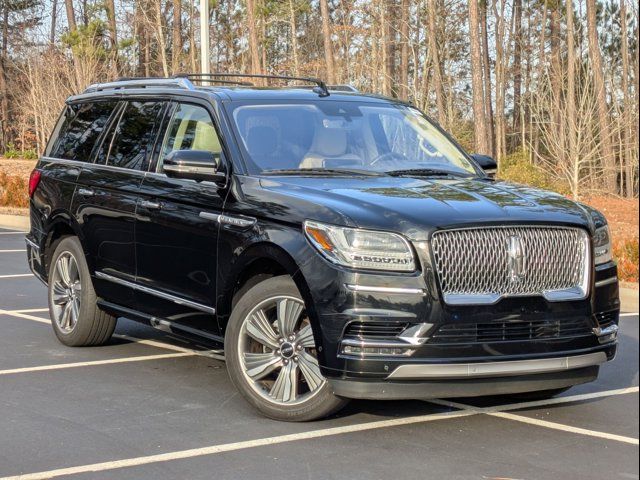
(79, 129)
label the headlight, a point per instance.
(602, 246)
(357, 248)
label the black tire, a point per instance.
(92, 326)
(321, 403)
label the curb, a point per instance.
(17, 222)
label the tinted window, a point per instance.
(130, 141)
(190, 128)
(79, 129)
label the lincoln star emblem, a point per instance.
(516, 258)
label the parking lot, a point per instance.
(151, 406)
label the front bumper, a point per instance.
(427, 368)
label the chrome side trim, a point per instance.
(32, 244)
(496, 369)
(157, 293)
(395, 290)
(607, 281)
(168, 326)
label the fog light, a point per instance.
(375, 351)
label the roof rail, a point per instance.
(321, 87)
(144, 82)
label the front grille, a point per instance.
(510, 331)
(374, 329)
(482, 265)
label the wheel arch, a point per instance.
(61, 225)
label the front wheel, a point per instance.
(271, 354)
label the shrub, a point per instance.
(13, 153)
(517, 168)
(625, 251)
(13, 191)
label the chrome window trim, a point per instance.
(157, 293)
(496, 369)
(392, 290)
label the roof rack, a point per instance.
(143, 82)
(321, 87)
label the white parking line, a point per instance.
(14, 251)
(12, 233)
(17, 275)
(215, 354)
(565, 428)
(230, 447)
(629, 314)
(62, 366)
(500, 411)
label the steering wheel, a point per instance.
(389, 156)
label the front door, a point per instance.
(177, 233)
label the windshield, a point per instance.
(335, 135)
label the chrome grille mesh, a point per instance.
(481, 262)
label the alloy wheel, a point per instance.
(278, 353)
(65, 292)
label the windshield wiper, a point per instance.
(323, 172)
(425, 172)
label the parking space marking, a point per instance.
(215, 354)
(63, 366)
(501, 412)
(629, 314)
(230, 447)
(17, 275)
(14, 251)
(13, 233)
(565, 428)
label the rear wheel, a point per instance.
(77, 321)
(271, 354)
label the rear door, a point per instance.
(177, 231)
(106, 197)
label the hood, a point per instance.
(416, 207)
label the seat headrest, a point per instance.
(330, 142)
(262, 141)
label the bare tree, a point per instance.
(71, 16)
(480, 122)
(606, 147)
(328, 47)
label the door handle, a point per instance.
(149, 205)
(86, 192)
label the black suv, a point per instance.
(339, 245)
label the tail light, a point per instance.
(34, 180)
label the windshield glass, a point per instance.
(344, 135)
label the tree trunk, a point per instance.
(253, 38)
(574, 160)
(606, 147)
(158, 18)
(293, 28)
(390, 47)
(436, 63)
(517, 65)
(54, 21)
(176, 36)
(328, 44)
(488, 86)
(403, 92)
(110, 9)
(480, 122)
(627, 119)
(4, 100)
(71, 16)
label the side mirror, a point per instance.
(198, 165)
(487, 163)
